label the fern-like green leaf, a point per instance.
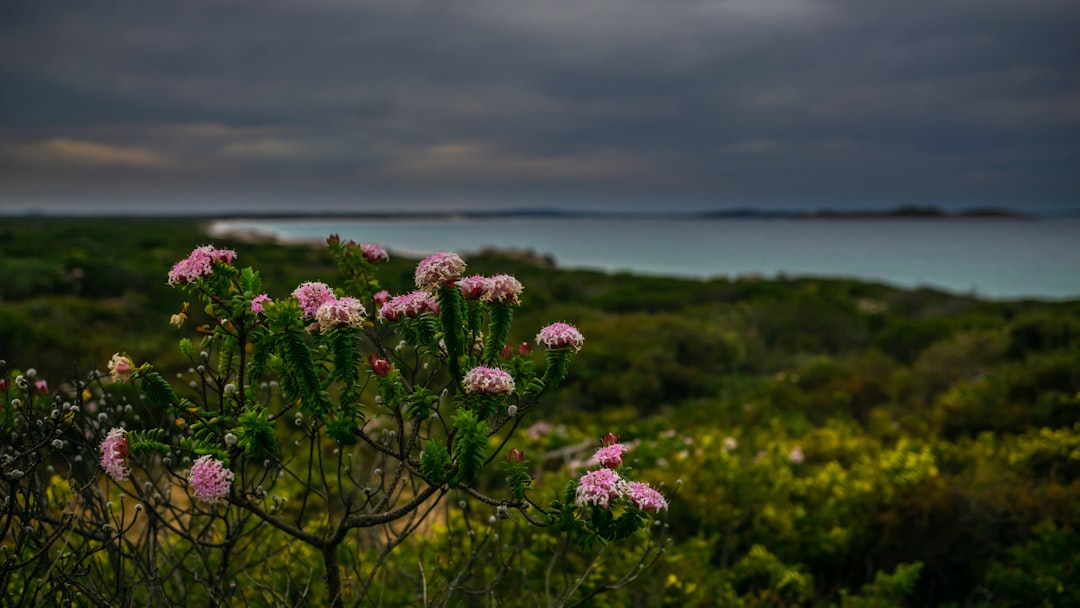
(157, 389)
(255, 432)
(340, 429)
(498, 329)
(517, 478)
(262, 348)
(298, 363)
(625, 525)
(558, 367)
(227, 356)
(345, 345)
(434, 462)
(470, 445)
(146, 441)
(450, 301)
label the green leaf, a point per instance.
(140, 441)
(558, 367)
(498, 329)
(157, 389)
(255, 432)
(341, 430)
(517, 478)
(434, 462)
(470, 445)
(450, 301)
(299, 366)
(187, 348)
(345, 345)
(250, 281)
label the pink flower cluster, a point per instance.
(311, 296)
(610, 456)
(199, 264)
(488, 381)
(642, 496)
(439, 269)
(340, 312)
(259, 302)
(473, 287)
(601, 486)
(560, 335)
(120, 367)
(503, 288)
(598, 488)
(373, 253)
(410, 305)
(209, 479)
(498, 288)
(114, 451)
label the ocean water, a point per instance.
(993, 258)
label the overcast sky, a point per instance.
(470, 104)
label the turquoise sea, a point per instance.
(995, 258)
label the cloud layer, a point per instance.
(555, 102)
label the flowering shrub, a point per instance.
(305, 422)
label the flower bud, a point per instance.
(610, 439)
(524, 349)
(507, 352)
(381, 367)
(515, 455)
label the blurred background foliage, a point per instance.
(825, 441)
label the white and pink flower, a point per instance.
(642, 496)
(373, 253)
(120, 368)
(599, 488)
(311, 296)
(114, 450)
(474, 287)
(610, 456)
(410, 305)
(560, 335)
(438, 270)
(488, 381)
(502, 288)
(340, 312)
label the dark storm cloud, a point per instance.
(769, 102)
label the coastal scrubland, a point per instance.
(821, 441)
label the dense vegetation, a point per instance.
(837, 442)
